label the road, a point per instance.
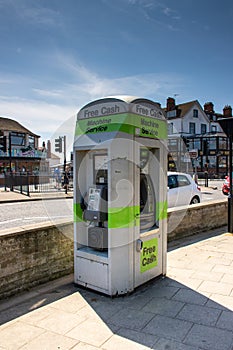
(213, 192)
(20, 214)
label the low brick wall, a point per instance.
(44, 252)
(197, 218)
(34, 255)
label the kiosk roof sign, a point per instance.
(117, 105)
(132, 116)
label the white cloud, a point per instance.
(48, 93)
(42, 118)
(32, 13)
(42, 107)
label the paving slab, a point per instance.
(209, 338)
(186, 310)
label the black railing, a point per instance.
(19, 183)
(27, 183)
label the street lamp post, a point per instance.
(227, 126)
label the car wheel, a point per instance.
(195, 200)
(225, 193)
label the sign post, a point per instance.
(227, 126)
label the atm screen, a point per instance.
(147, 202)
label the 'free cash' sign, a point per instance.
(149, 255)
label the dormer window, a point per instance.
(195, 113)
(171, 114)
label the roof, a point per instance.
(54, 156)
(7, 124)
(183, 108)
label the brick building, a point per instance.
(21, 152)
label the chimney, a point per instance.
(208, 107)
(227, 111)
(48, 149)
(171, 104)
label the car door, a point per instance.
(184, 190)
(172, 190)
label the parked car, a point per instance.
(182, 190)
(226, 186)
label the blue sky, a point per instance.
(57, 55)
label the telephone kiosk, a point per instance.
(120, 188)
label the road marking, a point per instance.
(35, 218)
(7, 221)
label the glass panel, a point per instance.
(222, 143)
(212, 143)
(197, 144)
(182, 180)
(192, 128)
(172, 181)
(31, 141)
(18, 139)
(203, 128)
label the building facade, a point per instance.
(19, 151)
(196, 140)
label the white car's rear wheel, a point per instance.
(195, 200)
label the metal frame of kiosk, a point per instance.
(120, 194)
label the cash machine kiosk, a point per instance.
(120, 189)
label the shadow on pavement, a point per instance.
(162, 314)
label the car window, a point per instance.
(182, 180)
(172, 181)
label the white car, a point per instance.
(182, 190)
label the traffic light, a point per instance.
(186, 142)
(58, 145)
(3, 147)
(205, 147)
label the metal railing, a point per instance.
(27, 183)
(19, 183)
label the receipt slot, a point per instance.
(120, 189)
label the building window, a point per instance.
(173, 144)
(213, 128)
(171, 114)
(195, 113)
(170, 128)
(31, 141)
(18, 139)
(203, 128)
(223, 143)
(192, 128)
(212, 143)
(197, 143)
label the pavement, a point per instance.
(10, 196)
(189, 309)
